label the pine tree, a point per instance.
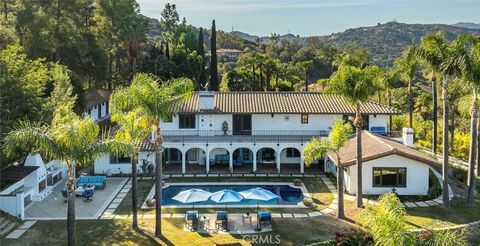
(202, 80)
(213, 60)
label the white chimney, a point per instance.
(407, 136)
(206, 100)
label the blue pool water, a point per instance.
(286, 195)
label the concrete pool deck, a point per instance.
(232, 205)
(53, 206)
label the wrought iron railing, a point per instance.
(254, 136)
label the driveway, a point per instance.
(53, 206)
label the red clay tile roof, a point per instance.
(96, 96)
(280, 102)
(375, 146)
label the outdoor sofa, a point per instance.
(99, 182)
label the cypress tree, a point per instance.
(213, 60)
(202, 80)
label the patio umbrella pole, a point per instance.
(258, 220)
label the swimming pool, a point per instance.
(288, 195)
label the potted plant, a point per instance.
(297, 182)
(150, 202)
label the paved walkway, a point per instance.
(21, 229)
(54, 207)
(119, 198)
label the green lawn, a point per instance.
(437, 216)
(315, 186)
(91, 232)
(118, 232)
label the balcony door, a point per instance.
(242, 124)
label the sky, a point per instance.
(313, 17)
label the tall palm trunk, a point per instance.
(306, 79)
(452, 131)
(410, 104)
(390, 118)
(446, 201)
(340, 207)
(471, 161)
(158, 182)
(134, 192)
(435, 117)
(358, 125)
(70, 186)
(478, 145)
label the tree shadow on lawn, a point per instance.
(437, 216)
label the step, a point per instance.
(3, 223)
(7, 229)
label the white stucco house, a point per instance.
(386, 164)
(248, 132)
(97, 104)
(20, 184)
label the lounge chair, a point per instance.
(221, 223)
(88, 194)
(191, 220)
(65, 195)
(264, 218)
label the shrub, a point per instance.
(354, 237)
(307, 201)
(150, 202)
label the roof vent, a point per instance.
(206, 100)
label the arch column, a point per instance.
(230, 160)
(277, 158)
(184, 167)
(254, 161)
(207, 161)
(302, 164)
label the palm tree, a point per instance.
(446, 59)
(356, 85)
(69, 138)
(318, 148)
(406, 67)
(471, 75)
(387, 83)
(305, 65)
(134, 28)
(154, 99)
(134, 129)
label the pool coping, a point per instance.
(291, 184)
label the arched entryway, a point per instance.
(195, 160)
(219, 160)
(172, 160)
(266, 161)
(290, 160)
(242, 160)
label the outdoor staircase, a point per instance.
(6, 226)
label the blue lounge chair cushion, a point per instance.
(88, 193)
(238, 161)
(191, 215)
(222, 215)
(265, 216)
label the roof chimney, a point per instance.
(206, 100)
(407, 136)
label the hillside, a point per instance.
(468, 25)
(384, 41)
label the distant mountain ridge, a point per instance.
(384, 41)
(468, 25)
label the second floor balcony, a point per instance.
(251, 136)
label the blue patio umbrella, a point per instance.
(226, 196)
(192, 196)
(258, 194)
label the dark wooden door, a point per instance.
(242, 124)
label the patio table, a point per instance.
(80, 189)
